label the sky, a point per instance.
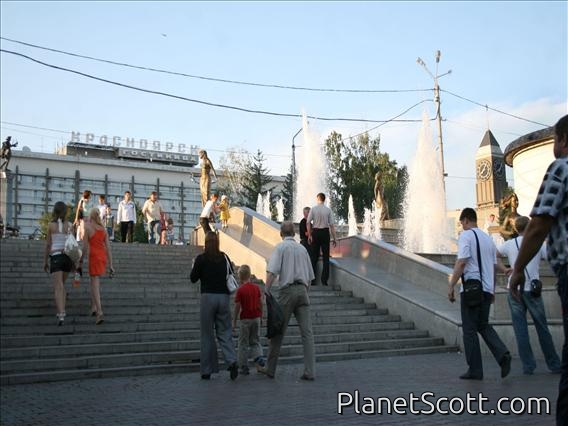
(509, 56)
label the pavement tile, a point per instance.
(255, 400)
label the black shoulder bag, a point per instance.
(536, 285)
(472, 288)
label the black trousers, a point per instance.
(126, 231)
(476, 320)
(204, 222)
(562, 402)
(320, 242)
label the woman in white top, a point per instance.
(59, 263)
(82, 214)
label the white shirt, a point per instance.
(126, 212)
(207, 209)
(320, 217)
(467, 249)
(152, 210)
(510, 249)
(102, 211)
(290, 261)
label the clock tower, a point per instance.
(490, 173)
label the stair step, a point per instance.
(63, 339)
(152, 320)
(193, 367)
(191, 343)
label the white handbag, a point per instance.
(72, 249)
(232, 283)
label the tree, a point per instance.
(255, 180)
(232, 167)
(288, 196)
(353, 164)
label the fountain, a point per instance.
(263, 205)
(311, 171)
(351, 219)
(376, 216)
(425, 203)
(266, 208)
(280, 210)
(367, 223)
(259, 207)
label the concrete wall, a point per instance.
(250, 239)
(416, 289)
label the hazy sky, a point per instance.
(511, 56)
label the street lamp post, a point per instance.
(438, 110)
(294, 172)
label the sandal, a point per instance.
(100, 319)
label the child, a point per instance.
(170, 232)
(163, 229)
(225, 215)
(248, 307)
(108, 221)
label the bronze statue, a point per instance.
(7, 152)
(507, 215)
(380, 202)
(205, 180)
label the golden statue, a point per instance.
(380, 202)
(507, 215)
(205, 180)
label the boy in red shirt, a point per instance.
(248, 307)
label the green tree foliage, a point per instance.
(46, 218)
(288, 196)
(140, 234)
(353, 164)
(255, 180)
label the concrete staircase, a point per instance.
(152, 320)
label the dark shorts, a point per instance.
(60, 262)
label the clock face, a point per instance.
(484, 170)
(499, 168)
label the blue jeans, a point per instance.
(154, 230)
(519, 316)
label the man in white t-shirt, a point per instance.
(529, 302)
(209, 210)
(475, 319)
(153, 211)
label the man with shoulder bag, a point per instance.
(531, 301)
(475, 265)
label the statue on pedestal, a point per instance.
(7, 152)
(205, 180)
(380, 202)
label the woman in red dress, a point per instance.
(97, 247)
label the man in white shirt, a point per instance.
(290, 262)
(321, 226)
(529, 302)
(152, 211)
(209, 210)
(126, 217)
(475, 319)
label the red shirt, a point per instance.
(249, 296)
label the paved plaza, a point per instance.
(185, 399)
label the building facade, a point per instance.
(35, 181)
(530, 155)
